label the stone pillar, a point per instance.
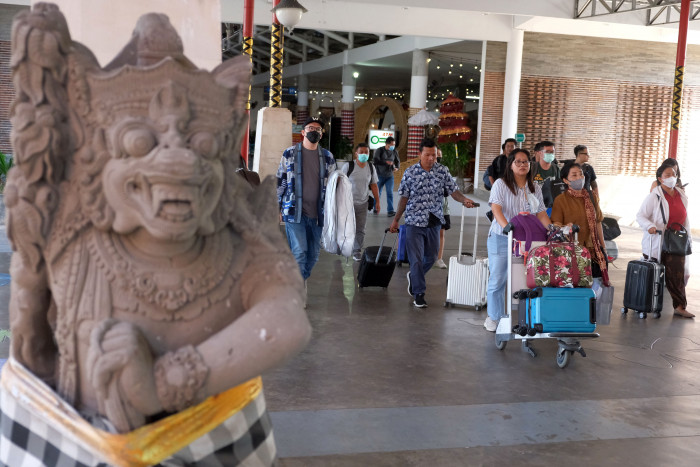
(302, 98)
(272, 136)
(419, 94)
(511, 95)
(347, 109)
(197, 21)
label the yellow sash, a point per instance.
(142, 447)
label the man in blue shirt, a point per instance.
(422, 188)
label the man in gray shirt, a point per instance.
(363, 178)
(386, 161)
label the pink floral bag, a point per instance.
(559, 265)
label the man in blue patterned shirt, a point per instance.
(422, 188)
(301, 192)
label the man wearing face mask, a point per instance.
(386, 161)
(363, 178)
(546, 168)
(301, 194)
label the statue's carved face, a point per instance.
(165, 176)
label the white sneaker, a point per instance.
(440, 264)
(490, 324)
(356, 257)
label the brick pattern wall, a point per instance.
(7, 94)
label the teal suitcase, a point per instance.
(562, 310)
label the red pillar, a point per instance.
(678, 81)
(248, 8)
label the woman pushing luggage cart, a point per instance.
(554, 305)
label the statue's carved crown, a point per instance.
(129, 90)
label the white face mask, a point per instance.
(670, 182)
(577, 184)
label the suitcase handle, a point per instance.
(381, 244)
(651, 243)
(592, 312)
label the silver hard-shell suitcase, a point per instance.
(467, 278)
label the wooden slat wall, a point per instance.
(492, 120)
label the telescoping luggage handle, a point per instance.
(379, 251)
(651, 244)
(461, 234)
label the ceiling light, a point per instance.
(289, 13)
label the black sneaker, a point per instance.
(419, 302)
(391, 213)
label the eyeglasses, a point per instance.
(521, 163)
(314, 128)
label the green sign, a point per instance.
(520, 137)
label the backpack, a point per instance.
(551, 188)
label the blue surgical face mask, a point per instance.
(548, 157)
(362, 157)
(391, 148)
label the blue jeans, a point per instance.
(305, 242)
(422, 244)
(498, 276)
(389, 182)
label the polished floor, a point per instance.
(385, 384)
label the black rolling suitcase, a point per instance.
(377, 265)
(644, 287)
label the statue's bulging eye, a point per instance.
(137, 142)
(204, 143)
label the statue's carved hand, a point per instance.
(120, 369)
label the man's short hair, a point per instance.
(390, 139)
(508, 140)
(578, 149)
(543, 144)
(426, 143)
(361, 145)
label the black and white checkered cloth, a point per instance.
(26, 440)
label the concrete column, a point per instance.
(347, 109)
(302, 98)
(511, 94)
(419, 94)
(198, 22)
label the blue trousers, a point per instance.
(305, 242)
(422, 244)
(498, 276)
(389, 182)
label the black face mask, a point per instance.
(313, 136)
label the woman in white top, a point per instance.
(512, 194)
(666, 207)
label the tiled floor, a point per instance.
(385, 384)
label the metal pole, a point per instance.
(276, 52)
(248, 9)
(678, 81)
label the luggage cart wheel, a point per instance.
(477, 308)
(500, 344)
(447, 304)
(656, 315)
(623, 310)
(563, 357)
(642, 315)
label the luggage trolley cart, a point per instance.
(507, 330)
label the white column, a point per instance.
(348, 84)
(511, 94)
(419, 79)
(303, 91)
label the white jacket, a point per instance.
(649, 215)
(338, 234)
